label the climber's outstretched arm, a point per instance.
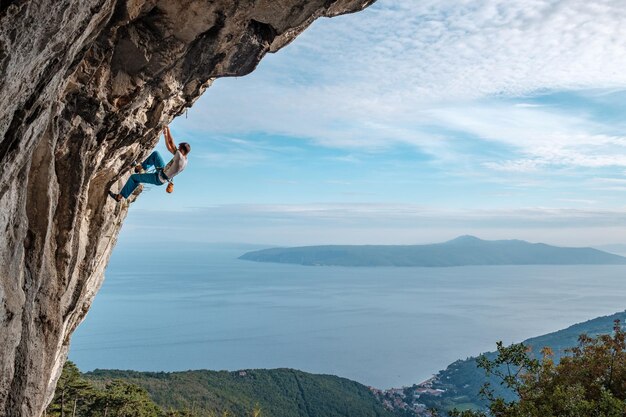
(169, 140)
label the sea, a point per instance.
(199, 307)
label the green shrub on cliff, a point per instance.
(589, 381)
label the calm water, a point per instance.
(380, 326)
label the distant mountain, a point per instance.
(464, 250)
(278, 392)
(617, 248)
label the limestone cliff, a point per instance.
(85, 88)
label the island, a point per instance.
(462, 251)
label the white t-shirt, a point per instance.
(176, 165)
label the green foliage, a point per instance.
(589, 381)
(73, 395)
(254, 393)
(119, 398)
(257, 393)
(463, 379)
(77, 396)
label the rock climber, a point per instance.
(164, 173)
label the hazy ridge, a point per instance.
(462, 251)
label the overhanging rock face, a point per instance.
(85, 88)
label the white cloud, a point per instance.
(460, 49)
(521, 165)
(406, 71)
(578, 201)
(377, 224)
(614, 181)
(456, 79)
(543, 136)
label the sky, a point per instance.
(412, 122)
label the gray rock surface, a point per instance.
(85, 89)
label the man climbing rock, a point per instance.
(163, 173)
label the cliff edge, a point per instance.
(85, 88)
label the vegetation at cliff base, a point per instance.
(277, 392)
(250, 393)
(77, 396)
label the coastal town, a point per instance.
(406, 400)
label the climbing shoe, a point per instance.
(139, 169)
(115, 197)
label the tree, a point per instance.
(123, 399)
(76, 396)
(73, 394)
(589, 381)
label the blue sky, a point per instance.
(413, 122)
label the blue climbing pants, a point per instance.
(154, 160)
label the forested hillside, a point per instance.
(275, 393)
